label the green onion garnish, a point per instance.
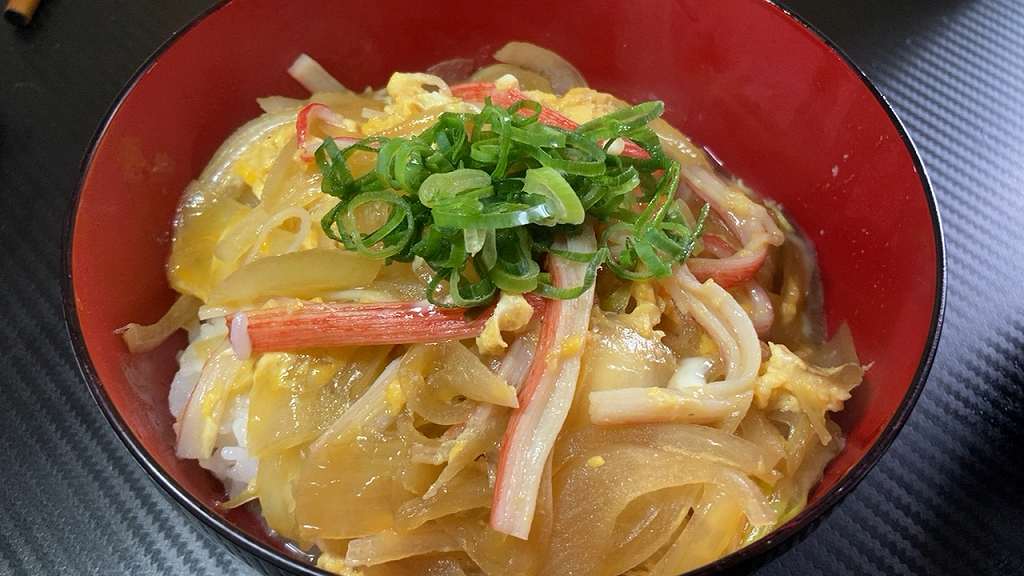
(481, 197)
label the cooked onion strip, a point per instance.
(145, 337)
(304, 274)
(592, 497)
(709, 535)
(218, 171)
(487, 422)
(562, 75)
(702, 442)
(313, 77)
(528, 80)
(466, 491)
(372, 412)
(389, 546)
(275, 222)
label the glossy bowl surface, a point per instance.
(772, 99)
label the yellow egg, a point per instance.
(254, 164)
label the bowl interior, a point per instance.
(766, 95)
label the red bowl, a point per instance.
(773, 99)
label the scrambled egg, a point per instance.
(707, 346)
(395, 396)
(816, 390)
(572, 346)
(511, 314)
(336, 564)
(411, 95)
(583, 104)
(646, 313)
(457, 447)
(254, 164)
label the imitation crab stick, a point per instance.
(747, 220)
(545, 399)
(328, 325)
(479, 91)
(728, 271)
(308, 118)
(729, 267)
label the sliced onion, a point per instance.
(374, 411)
(710, 534)
(589, 499)
(453, 70)
(762, 313)
(199, 423)
(647, 525)
(270, 104)
(143, 338)
(313, 77)
(218, 170)
(276, 221)
(528, 79)
(389, 546)
(563, 75)
(700, 442)
(302, 274)
(467, 491)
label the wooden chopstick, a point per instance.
(19, 12)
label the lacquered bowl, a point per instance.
(768, 95)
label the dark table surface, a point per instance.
(945, 499)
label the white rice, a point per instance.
(230, 461)
(190, 364)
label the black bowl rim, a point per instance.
(804, 520)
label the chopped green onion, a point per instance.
(391, 235)
(482, 197)
(444, 188)
(547, 289)
(564, 204)
(622, 121)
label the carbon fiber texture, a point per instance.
(944, 500)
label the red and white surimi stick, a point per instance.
(748, 220)
(650, 405)
(479, 91)
(307, 119)
(546, 397)
(727, 268)
(731, 270)
(717, 246)
(330, 325)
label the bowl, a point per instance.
(767, 94)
